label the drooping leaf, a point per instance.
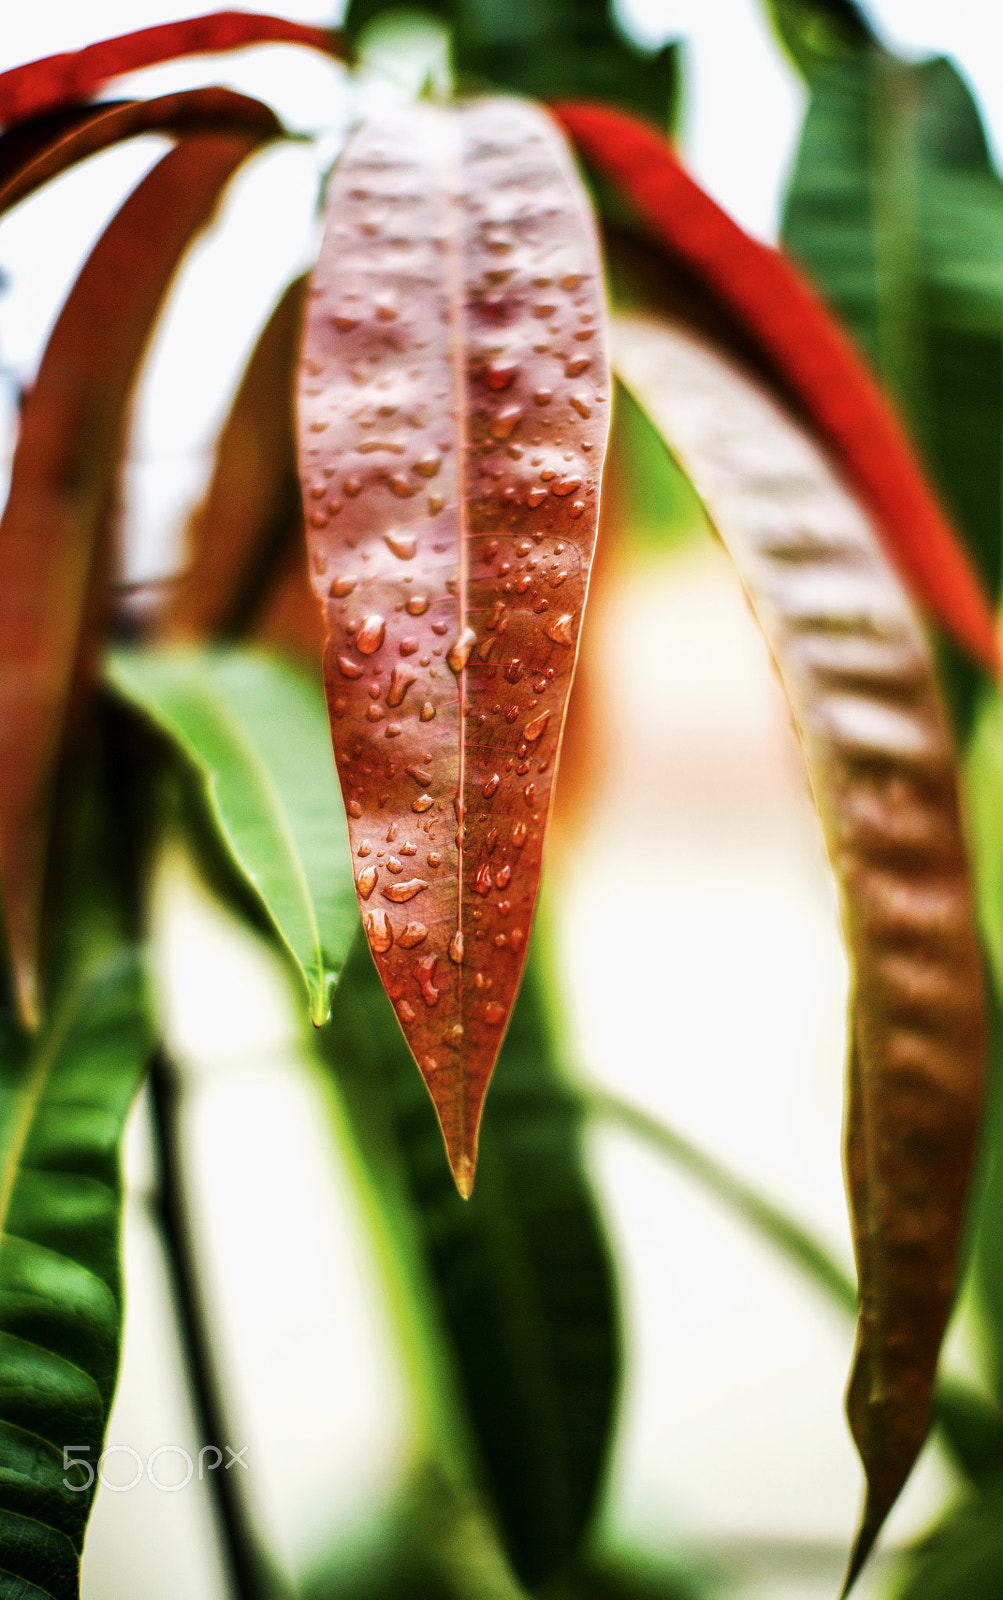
(53, 534)
(818, 33)
(453, 414)
(547, 48)
(810, 355)
(252, 514)
(515, 1286)
(895, 211)
(860, 681)
(42, 86)
(32, 154)
(255, 729)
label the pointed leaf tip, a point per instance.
(453, 414)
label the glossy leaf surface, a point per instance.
(53, 535)
(860, 681)
(515, 1288)
(42, 86)
(453, 413)
(255, 729)
(30, 156)
(810, 355)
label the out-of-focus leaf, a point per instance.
(255, 729)
(53, 543)
(818, 33)
(547, 48)
(453, 415)
(42, 86)
(514, 1287)
(896, 213)
(252, 512)
(860, 680)
(32, 154)
(963, 1559)
(812, 358)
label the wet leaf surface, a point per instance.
(859, 677)
(53, 535)
(453, 413)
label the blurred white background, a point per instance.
(715, 999)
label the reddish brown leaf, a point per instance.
(42, 86)
(252, 513)
(860, 680)
(30, 156)
(795, 331)
(454, 401)
(51, 554)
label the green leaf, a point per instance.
(962, 1560)
(895, 212)
(255, 729)
(514, 1286)
(818, 33)
(548, 49)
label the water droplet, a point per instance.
(349, 668)
(523, 583)
(406, 1011)
(519, 833)
(393, 730)
(494, 1014)
(367, 881)
(408, 645)
(418, 774)
(482, 882)
(403, 545)
(392, 832)
(459, 655)
(559, 629)
(434, 859)
(374, 713)
(386, 308)
(456, 947)
(435, 504)
(424, 802)
(365, 848)
(401, 680)
(504, 421)
(414, 934)
(491, 787)
(399, 892)
(577, 507)
(534, 729)
(354, 809)
(427, 712)
(342, 586)
(543, 397)
(503, 875)
(352, 487)
(581, 405)
(567, 485)
(401, 486)
(536, 497)
(318, 426)
(498, 374)
(378, 930)
(428, 465)
(576, 366)
(540, 605)
(393, 865)
(424, 971)
(371, 635)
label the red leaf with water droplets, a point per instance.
(53, 549)
(811, 353)
(453, 414)
(42, 86)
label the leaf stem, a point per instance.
(251, 1573)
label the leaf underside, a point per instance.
(859, 677)
(54, 544)
(453, 414)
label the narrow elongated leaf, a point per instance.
(811, 356)
(252, 513)
(52, 553)
(42, 86)
(30, 156)
(517, 1283)
(453, 415)
(860, 681)
(256, 731)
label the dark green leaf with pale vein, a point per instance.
(859, 677)
(255, 728)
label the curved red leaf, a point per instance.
(40, 86)
(813, 355)
(453, 416)
(30, 156)
(52, 554)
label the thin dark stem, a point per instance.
(251, 1574)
